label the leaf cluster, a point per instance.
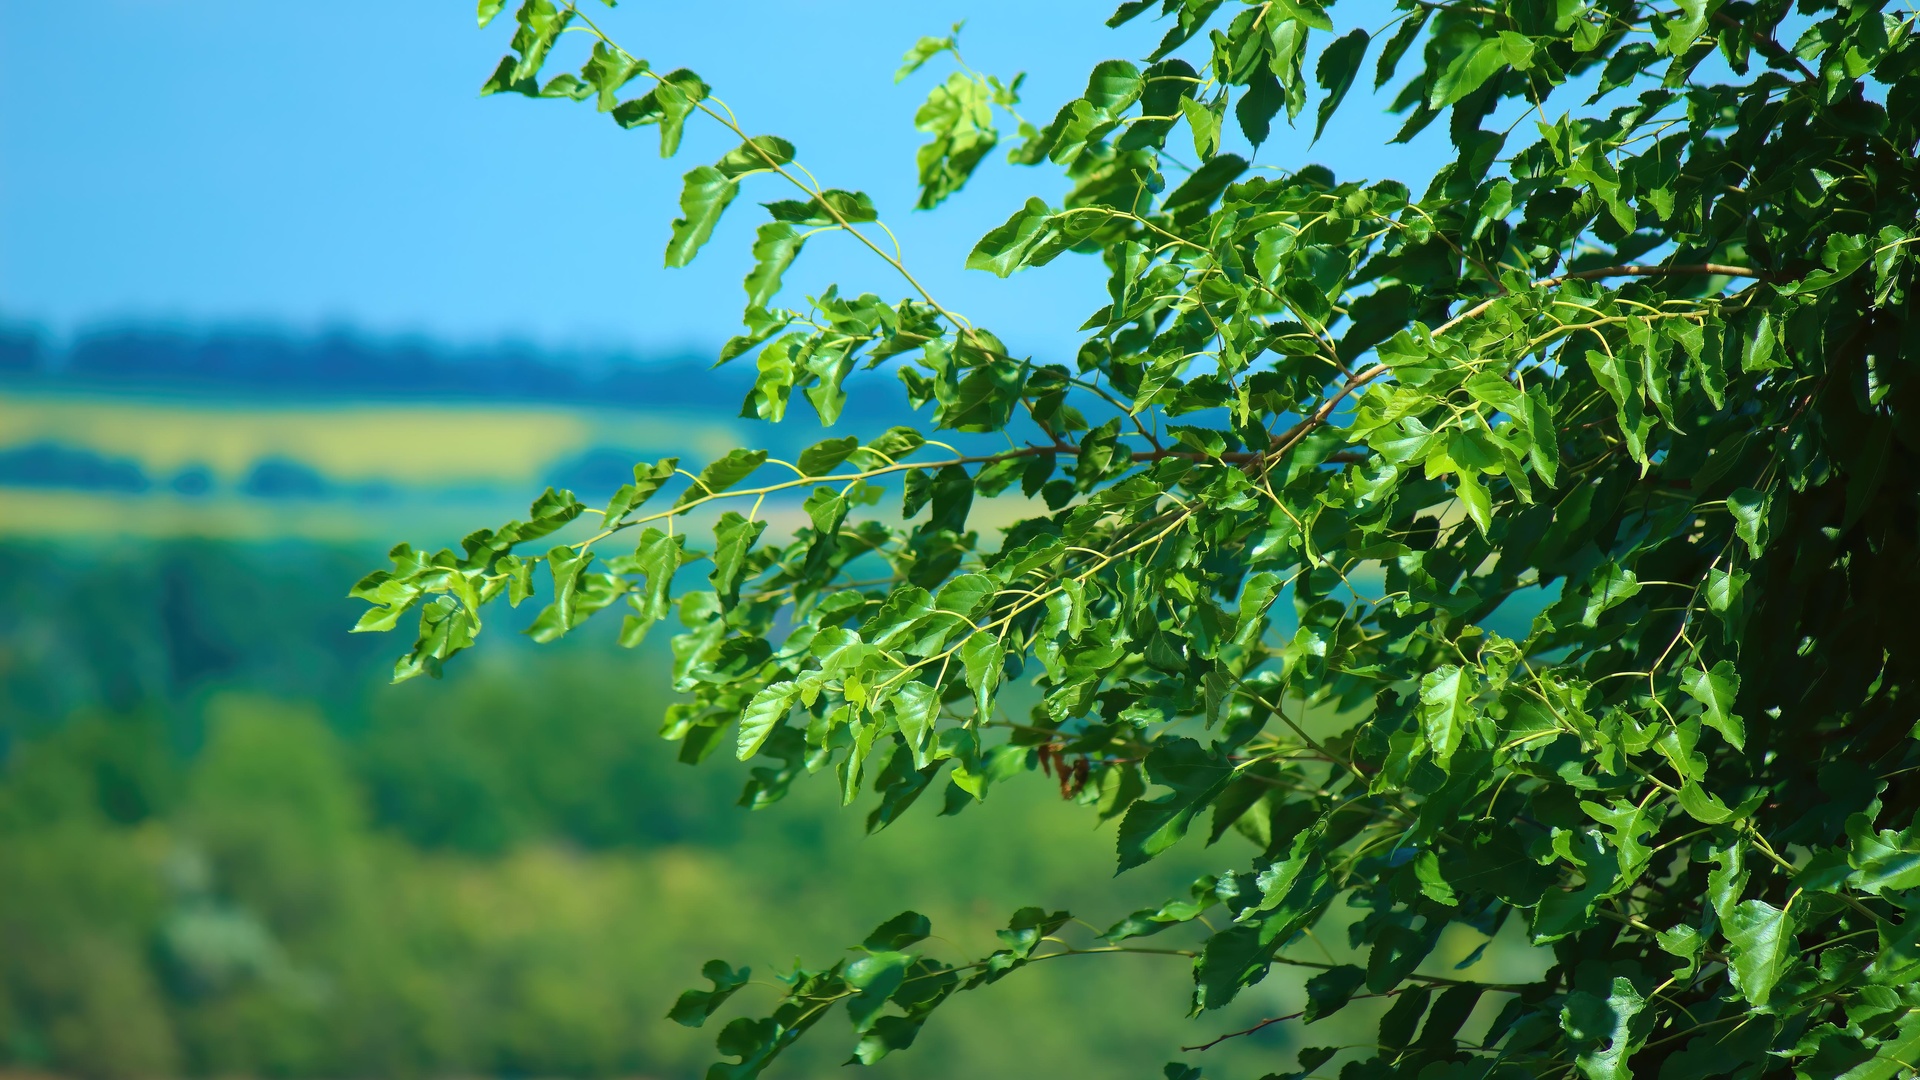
(1642, 367)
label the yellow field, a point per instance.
(346, 442)
(453, 467)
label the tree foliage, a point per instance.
(1637, 356)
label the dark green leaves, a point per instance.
(1335, 72)
(1329, 991)
(1152, 826)
(829, 207)
(1605, 1032)
(695, 1006)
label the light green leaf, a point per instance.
(1205, 124)
(1758, 355)
(1446, 706)
(982, 654)
(761, 153)
(647, 479)
(766, 711)
(704, 197)
(1006, 247)
(775, 246)
(1702, 806)
(1761, 948)
(1749, 509)
(1610, 586)
(733, 537)
(723, 474)
(1897, 1054)
(1716, 689)
(1433, 884)
(915, 706)
(1473, 496)
(923, 50)
(1467, 72)
(1684, 942)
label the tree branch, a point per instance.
(1641, 270)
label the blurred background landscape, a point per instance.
(277, 290)
(229, 848)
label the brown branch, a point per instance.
(1236, 1034)
(1641, 270)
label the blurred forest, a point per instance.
(230, 849)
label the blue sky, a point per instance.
(307, 165)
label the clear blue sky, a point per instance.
(308, 164)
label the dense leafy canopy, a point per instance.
(1636, 357)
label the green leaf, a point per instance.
(762, 153)
(1113, 86)
(876, 976)
(904, 929)
(695, 1006)
(704, 196)
(1758, 355)
(657, 556)
(1446, 707)
(983, 657)
(775, 246)
(488, 9)
(647, 480)
(1467, 72)
(1205, 124)
(767, 710)
(924, 50)
(1896, 1055)
(1882, 861)
(1716, 689)
(826, 455)
(1749, 509)
(1606, 1032)
(1702, 806)
(896, 443)
(1610, 586)
(1403, 38)
(1195, 777)
(1761, 948)
(1194, 198)
(723, 474)
(1473, 496)
(668, 104)
(1330, 990)
(1007, 247)
(830, 207)
(1684, 942)
(1335, 72)
(734, 536)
